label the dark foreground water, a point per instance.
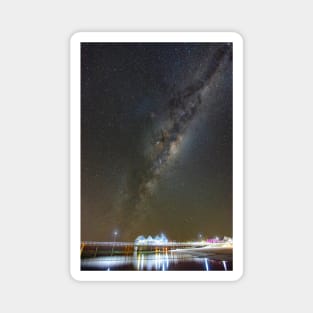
(156, 262)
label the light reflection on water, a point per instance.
(157, 261)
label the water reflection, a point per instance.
(149, 262)
(159, 260)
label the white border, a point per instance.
(75, 130)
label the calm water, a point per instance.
(147, 261)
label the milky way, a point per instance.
(140, 131)
(182, 109)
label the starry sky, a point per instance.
(156, 140)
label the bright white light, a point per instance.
(156, 262)
(142, 260)
(157, 240)
(138, 262)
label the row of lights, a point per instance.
(115, 233)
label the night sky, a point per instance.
(156, 140)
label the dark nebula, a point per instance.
(156, 140)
